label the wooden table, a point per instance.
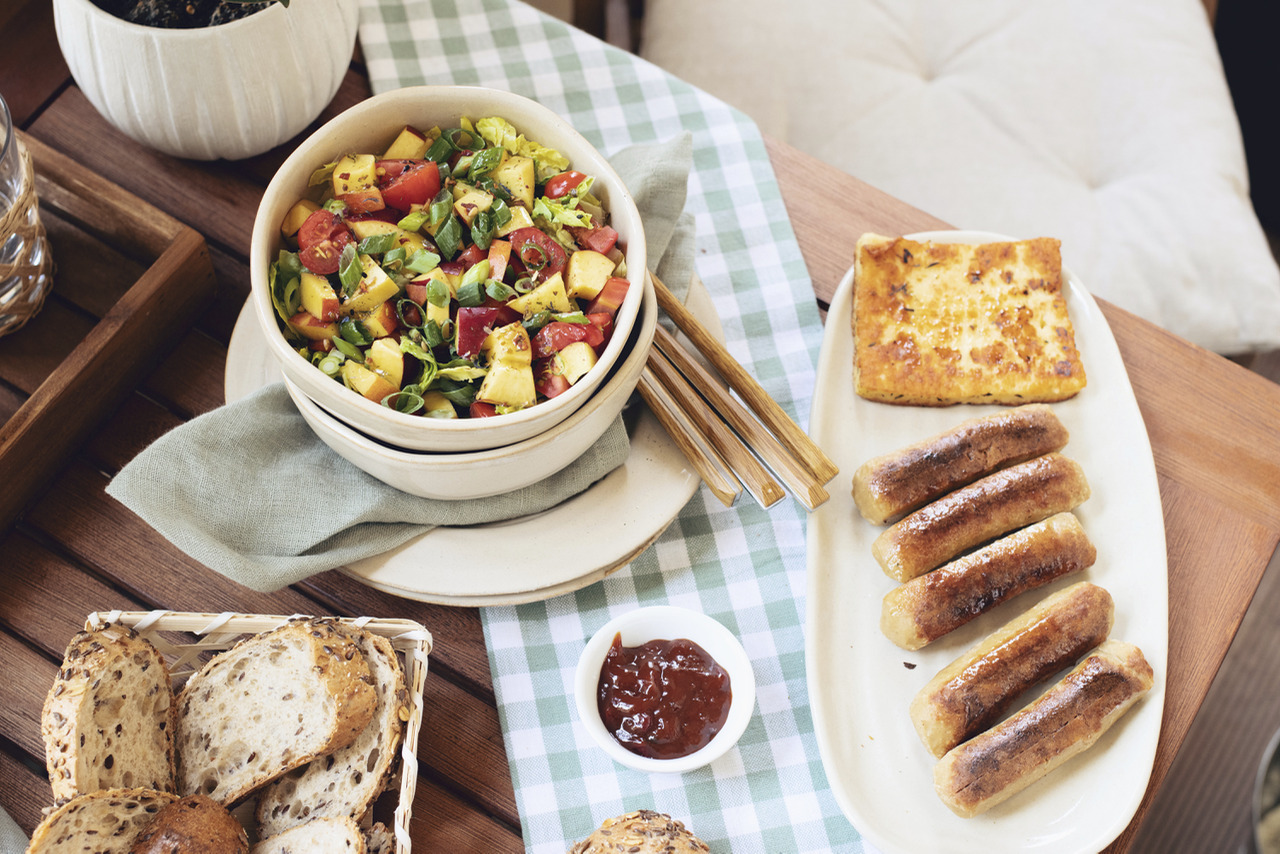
(75, 551)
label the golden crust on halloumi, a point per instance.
(936, 324)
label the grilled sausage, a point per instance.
(1065, 721)
(907, 479)
(983, 510)
(926, 608)
(972, 692)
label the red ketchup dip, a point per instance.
(663, 699)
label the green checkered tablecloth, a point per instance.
(744, 566)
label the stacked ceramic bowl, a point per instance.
(464, 457)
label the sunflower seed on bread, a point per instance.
(272, 702)
(107, 722)
(103, 822)
(347, 781)
(318, 836)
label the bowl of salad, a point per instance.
(447, 268)
(481, 474)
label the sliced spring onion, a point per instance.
(336, 206)
(470, 295)
(539, 259)
(377, 244)
(432, 335)
(349, 269)
(438, 293)
(536, 321)
(394, 257)
(482, 228)
(440, 150)
(422, 261)
(449, 237)
(498, 290)
(501, 212)
(404, 401)
(525, 284)
(473, 139)
(331, 364)
(414, 221)
(348, 349)
(402, 310)
(484, 162)
(477, 272)
(355, 332)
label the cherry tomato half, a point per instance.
(320, 242)
(538, 252)
(562, 184)
(557, 335)
(416, 182)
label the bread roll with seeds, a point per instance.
(103, 822)
(272, 702)
(192, 825)
(107, 722)
(347, 781)
(643, 832)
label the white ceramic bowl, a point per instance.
(233, 91)
(667, 622)
(371, 125)
(479, 474)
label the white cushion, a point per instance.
(1108, 125)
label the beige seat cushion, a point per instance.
(1108, 125)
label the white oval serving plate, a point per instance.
(860, 684)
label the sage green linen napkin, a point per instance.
(12, 839)
(250, 491)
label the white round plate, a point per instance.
(861, 684)
(531, 558)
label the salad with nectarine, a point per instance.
(463, 272)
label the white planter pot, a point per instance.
(230, 91)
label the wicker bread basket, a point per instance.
(187, 640)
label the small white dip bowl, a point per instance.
(667, 622)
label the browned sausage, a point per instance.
(926, 608)
(972, 692)
(1064, 722)
(998, 503)
(907, 479)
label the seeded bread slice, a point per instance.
(102, 822)
(107, 722)
(347, 781)
(269, 704)
(318, 836)
(379, 840)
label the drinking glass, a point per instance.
(26, 268)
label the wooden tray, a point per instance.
(125, 344)
(187, 639)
